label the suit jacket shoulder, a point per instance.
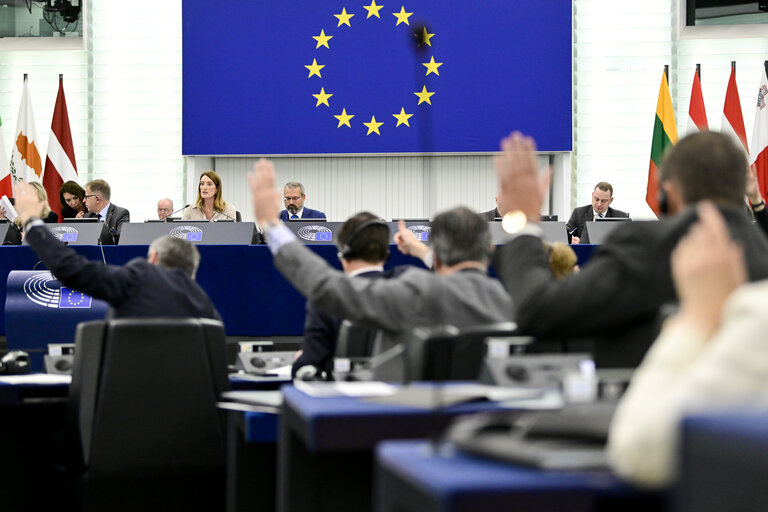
(309, 213)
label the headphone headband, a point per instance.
(345, 250)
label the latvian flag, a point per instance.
(664, 137)
(60, 163)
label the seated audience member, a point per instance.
(562, 260)
(711, 356)
(494, 214)
(97, 195)
(72, 200)
(619, 296)
(602, 197)
(363, 249)
(293, 198)
(161, 285)
(210, 204)
(48, 216)
(164, 208)
(459, 292)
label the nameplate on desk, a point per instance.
(75, 233)
(200, 233)
(551, 232)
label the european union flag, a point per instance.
(69, 237)
(195, 236)
(323, 236)
(70, 298)
(313, 76)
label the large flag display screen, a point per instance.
(316, 76)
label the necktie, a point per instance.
(294, 216)
(600, 215)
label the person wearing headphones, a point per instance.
(363, 249)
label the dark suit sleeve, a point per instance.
(110, 283)
(575, 222)
(621, 283)
(761, 219)
(120, 216)
(319, 342)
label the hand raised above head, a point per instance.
(266, 198)
(707, 266)
(521, 186)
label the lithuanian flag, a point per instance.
(664, 136)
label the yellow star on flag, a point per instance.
(424, 95)
(425, 37)
(344, 17)
(344, 118)
(314, 68)
(402, 16)
(373, 9)
(322, 40)
(432, 66)
(373, 126)
(322, 97)
(402, 118)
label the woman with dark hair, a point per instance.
(210, 204)
(72, 200)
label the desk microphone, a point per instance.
(177, 211)
(227, 216)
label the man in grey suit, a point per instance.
(97, 195)
(459, 292)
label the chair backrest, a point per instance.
(447, 353)
(355, 340)
(143, 396)
(238, 217)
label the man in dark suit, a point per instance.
(161, 285)
(621, 294)
(97, 194)
(363, 242)
(293, 197)
(492, 215)
(602, 197)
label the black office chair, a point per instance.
(238, 217)
(142, 414)
(448, 353)
(355, 341)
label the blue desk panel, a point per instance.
(251, 295)
(412, 477)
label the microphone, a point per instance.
(227, 216)
(177, 211)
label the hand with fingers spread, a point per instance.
(27, 202)
(267, 200)
(707, 266)
(408, 244)
(521, 186)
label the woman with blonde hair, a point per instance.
(210, 204)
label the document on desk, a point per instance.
(356, 389)
(271, 398)
(36, 378)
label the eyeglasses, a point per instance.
(90, 195)
(164, 209)
(294, 198)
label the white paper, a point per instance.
(356, 389)
(36, 378)
(10, 211)
(273, 398)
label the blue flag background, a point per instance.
(505, 65)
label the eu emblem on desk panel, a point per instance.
(418, 76)
(39, 311)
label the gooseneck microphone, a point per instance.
(177, 211)
(227, 216)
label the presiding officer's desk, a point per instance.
(416, 476)
(326, 446)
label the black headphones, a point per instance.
(347, 252)
(14, 363)
(663, 201)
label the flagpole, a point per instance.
(733, 66)
(765, 65)
(666, 73)
(698, 70)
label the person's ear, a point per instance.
(153, 257)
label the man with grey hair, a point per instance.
(160, 285)
(293, 198)
(459, 292)
(164, 208)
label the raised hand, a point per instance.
(707, 266)
(407, 243)
(266, 198)
(521, 187)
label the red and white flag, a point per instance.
(60, 165)
(25, 160)
(6, 180)
(733, 120)
(697, 114)
(758, 158)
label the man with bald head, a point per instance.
(164, 208)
